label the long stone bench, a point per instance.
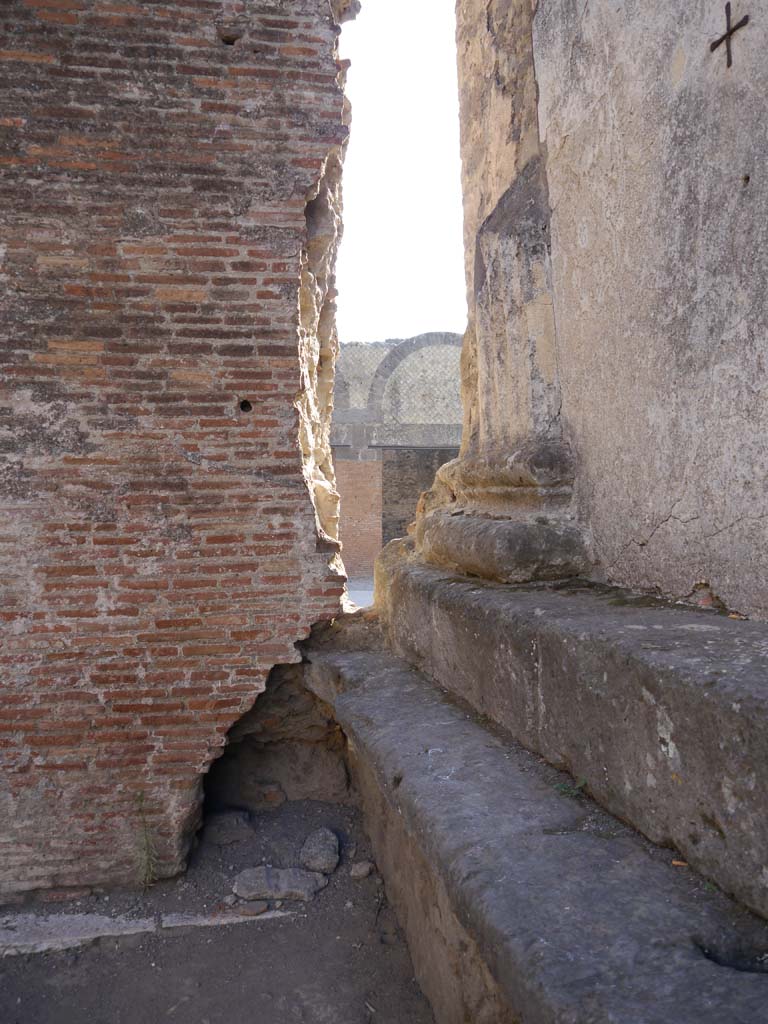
(523, 902)
(661, 711)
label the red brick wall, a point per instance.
(359, 484)
(157, 544)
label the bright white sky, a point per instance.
(401, 265)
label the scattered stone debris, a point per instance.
(267, 883)
(320, 852)
(184, 949)
(363, 869)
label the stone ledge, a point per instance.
(662, 711)
(577, 919)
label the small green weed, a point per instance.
(571, 789)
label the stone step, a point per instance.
(661, 710)
(522, 900)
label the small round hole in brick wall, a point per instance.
(230, 34)
(245, 405)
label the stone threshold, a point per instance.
(659, 711)
(523, 902)
(23, 934)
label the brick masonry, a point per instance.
(159, 548)
(360, 486)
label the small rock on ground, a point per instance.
(265, 883)
(320, 851)
(362, 869)
(252, 908)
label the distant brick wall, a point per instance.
(359, 485)
(158, 547)
(406, 473)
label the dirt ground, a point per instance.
(340, 959)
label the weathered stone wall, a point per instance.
(509, 374)
(655, 150)
(504, 509)
(169, 209)
(615, 224)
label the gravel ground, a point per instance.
(340, 958)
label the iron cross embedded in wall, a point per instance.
(730, 29)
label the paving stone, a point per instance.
(24, 934)
(218, 920)
(33, 933)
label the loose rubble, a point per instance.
(267, 883)
(361, 870)
(320, 852)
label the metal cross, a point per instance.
(729, 32)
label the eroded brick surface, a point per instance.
(360, 485)
(158, 545)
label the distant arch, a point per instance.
(397, 355)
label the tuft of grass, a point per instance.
(571, 789)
